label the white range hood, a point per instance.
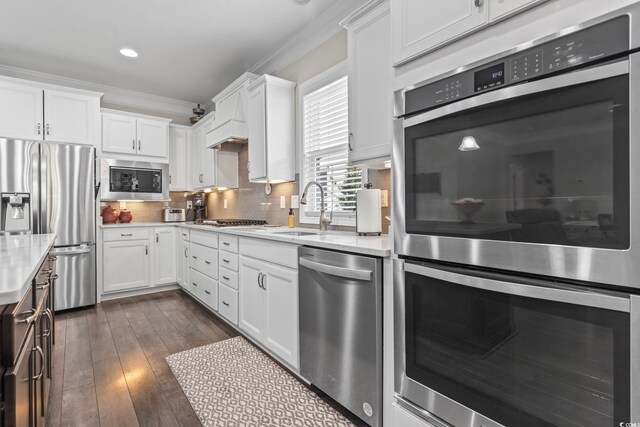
(231, 113)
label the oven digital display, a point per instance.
(489, 77)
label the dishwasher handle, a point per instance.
(349, 273)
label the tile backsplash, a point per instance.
(250, 200)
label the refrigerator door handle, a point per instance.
(44, 182)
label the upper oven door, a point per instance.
(534, 177)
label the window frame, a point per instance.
(320, 80)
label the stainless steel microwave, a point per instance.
(527, 161)
(128, 180)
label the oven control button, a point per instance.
(368, 410)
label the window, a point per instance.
(324, 127)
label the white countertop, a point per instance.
(347, 241)
(20, 258)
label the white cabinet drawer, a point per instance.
(228, 277)
(204, 259)
(127, 233)
(229, 261)
(267, 250)
(229, 243)
(228, 303)
(184, 233)
(204, 238)
(204, 288)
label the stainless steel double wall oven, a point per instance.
(517, 225)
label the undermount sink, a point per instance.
(298, 233)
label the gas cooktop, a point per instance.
(232, 222)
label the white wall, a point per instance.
(540, 21)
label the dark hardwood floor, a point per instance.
(109, 361)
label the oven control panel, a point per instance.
(581, 47)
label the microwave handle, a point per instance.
(564, 80)
(576, 297)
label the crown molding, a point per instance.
(313, 35)
(361, 11)
(112, 95)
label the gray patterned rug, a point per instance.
(231, 383)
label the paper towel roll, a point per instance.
(368, 211)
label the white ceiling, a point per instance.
(189, 49)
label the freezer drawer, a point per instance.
(76, 276)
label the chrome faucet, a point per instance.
(324, 222)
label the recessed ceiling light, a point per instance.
(130, 53)
(301, 2)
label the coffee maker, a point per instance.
(199, 206)
(15, 211)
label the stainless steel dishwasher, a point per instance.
(341, 328)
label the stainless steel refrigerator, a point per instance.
(50, 188)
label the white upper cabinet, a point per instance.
(152, 137)
(21, 110)
(70, 117)
(210, 167)
(118, 133)
(179, 158)
(272, 130)
(370, 86)
(30, 111)
(420, 26)
(134, 134)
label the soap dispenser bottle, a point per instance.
(292, 221)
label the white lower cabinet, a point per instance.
(204, 288)
(164, 256)
(268, 309)
(228, 303)
(126, 265)
(183, 265)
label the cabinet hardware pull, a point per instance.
(169, 179)
(225, 278)
(38, 128)
(194, 284)
(263, 286)
(157, 238)
(53, 258)
(39, 350)
(48, 128)
(43, 286)
(126, 235)
(185, 253)
(194, 257)
(207, 262)
(225, 260)
(207, 292)
(139, 144)
(351, 134)
(133, 144)
(29, 320)
(225, 303)
(259, 276)
(478, 3)
(226, 243)
(47, 332)
(146, 250)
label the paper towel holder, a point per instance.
(368, 211)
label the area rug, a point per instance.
(231, 383)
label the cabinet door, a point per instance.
(502, 8)
(252, 298)
(178, 168)
(370, 88)
(126, 265)
(70, 117)
(20, 111)
(282, 312)
(257, 134)
(197, 174)
(226, 169)
(184, 253)
(118, 134)
(164, 256)
(419, 26)
(152, 138)
(179, 256)
(208, 156)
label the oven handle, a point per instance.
(576, 297)
(564, 80)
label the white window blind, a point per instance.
(325, 127)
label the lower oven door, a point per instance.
(484, 349)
